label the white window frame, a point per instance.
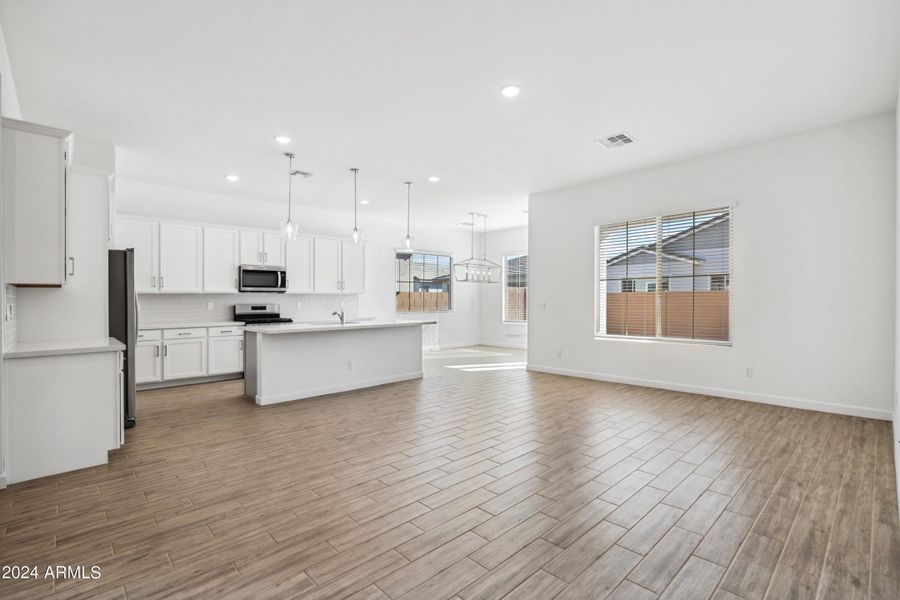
(451, 299)
(503, 317)
(598, 268)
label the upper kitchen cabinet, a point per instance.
(221, 253)
(300, 265)
(353, 268)
(143, 236)
(261, 248)
(180, 258)
(34, 200)
(327, 266)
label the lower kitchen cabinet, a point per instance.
(226, 355)
(148, 362)
(184, 358)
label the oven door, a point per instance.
(261, 278)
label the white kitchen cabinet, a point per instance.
(180, 258)
(300, 265)
(251, 247)
(184, 358)
(148, 362)
(221, 253)
(353, 268)
(262, 248)
(327, 261)
(143, 236)
(226, 355)
(34, 199)
(273, 249)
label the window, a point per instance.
(666, 277)
(422, 282)
(718, 282)
(515, 288)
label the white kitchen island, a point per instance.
(285, 362)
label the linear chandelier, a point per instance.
(475, 269)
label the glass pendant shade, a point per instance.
(289, 230)
(357, 236)
(407, 241)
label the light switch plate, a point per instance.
(209, 306)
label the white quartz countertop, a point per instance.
(56, 348)
(188, 325)
(280, 328)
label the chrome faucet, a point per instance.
(339, 315)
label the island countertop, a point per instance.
(281, 328)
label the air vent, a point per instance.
(614, 141)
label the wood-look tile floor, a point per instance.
(473, 483)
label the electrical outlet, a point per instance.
(349, 365)
(749, 372)
(298, 304)
(209, 306)
(559, 354)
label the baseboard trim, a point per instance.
(187, 381)
(449, 346)
(2, 481)
(335, 389)
(504, 345)
(841, 409)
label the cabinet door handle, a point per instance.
(265, 258)
(184, 333)
(157, 350)
(166, 350)
(225, 331)
(72, 269)
(242, 344)
(153, 281)
(162, 282)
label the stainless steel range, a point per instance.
(259, 314)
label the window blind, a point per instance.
(666, 277)
(515, 288)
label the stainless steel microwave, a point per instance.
(262, 278)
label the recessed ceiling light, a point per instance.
(282, 139)
(364, 201)
(434, 179)
(232, 178)
(615, 140)
(510, 91)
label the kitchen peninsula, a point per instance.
(294, 361)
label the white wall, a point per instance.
(457, 327)
(814, 270)
(494, 332)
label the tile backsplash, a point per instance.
(9, 329)
(193, 308)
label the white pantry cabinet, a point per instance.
(226, 355)
(148, 362)
(143, 236)
(184, 358)
(262, 248)
(300, 265)
(34, 200)
(180, 258)
(353, 268)
(221, 255)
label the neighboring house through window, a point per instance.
(683, 264)
(515, 288)
(422, 282)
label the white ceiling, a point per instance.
(192, 90)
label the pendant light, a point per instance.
(474, 269)
(356, 235)
(289, 228)
(407, 241)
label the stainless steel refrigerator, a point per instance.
(123, 319)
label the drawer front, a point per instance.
(226, 331)
(180, 334)
(149, 335)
